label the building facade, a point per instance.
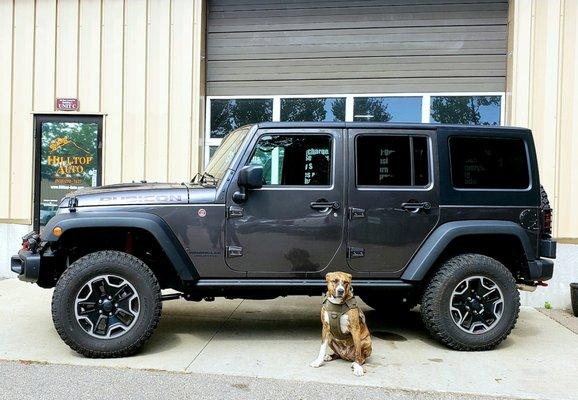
(154, 85)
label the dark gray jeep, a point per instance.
(449, 217)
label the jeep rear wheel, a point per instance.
(471, 303)
(106, 304)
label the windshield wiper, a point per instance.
(206, 175)
(197, 176)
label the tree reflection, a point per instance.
(227, 115)
(313, 109)
(476, 110)
(371, 109)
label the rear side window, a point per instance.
(489, 163)
(386, 160)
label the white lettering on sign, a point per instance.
(67, 104)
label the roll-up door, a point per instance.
(284, 47)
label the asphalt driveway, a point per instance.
(278, 338)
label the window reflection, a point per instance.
(320, 109)
(387, 109)
(471, 110)
(229, 114)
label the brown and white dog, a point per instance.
(344, 327)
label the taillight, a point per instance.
(547, 221)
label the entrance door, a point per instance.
(294, 223)
(68, 157)
(392, 198)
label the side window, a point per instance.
(295, 160)
(386, 160)
(489, 163)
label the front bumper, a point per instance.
(27, 265)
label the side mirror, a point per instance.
(250, 177)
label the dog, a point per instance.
(344, 328)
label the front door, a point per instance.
(392, 198)
(294, 223)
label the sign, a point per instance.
(69, 159)
(67, 104)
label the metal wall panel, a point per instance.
(543, 96)
(297, 47)
(137, 62)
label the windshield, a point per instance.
(225, 153)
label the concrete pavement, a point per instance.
(278, 338)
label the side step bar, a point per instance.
(297, 283)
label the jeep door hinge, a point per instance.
(234, 251)
(355, 252)
(355, 213)
(234, 212)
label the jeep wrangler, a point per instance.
(452, 218)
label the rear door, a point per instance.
(393, 198)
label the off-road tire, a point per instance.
(435, 303)
(124, 265)
(388, 303)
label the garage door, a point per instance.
(300, 47)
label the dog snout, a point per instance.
(340, 291)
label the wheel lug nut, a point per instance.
(100, 302)
(110, 297)
(110, 314)
(100, 311)
(116, 304)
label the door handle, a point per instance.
(324, 205)
(415, 207)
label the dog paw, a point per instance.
(328, 357)
(357, 369)
(316, 363)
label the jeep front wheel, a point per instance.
(471, 303)
(106, 304)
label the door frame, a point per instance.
(37, 132)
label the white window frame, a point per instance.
(349, 100)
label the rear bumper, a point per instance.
(541, 269)
(27, 265)
(548, 248)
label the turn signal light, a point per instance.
(57, 231)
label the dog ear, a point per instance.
(349, 277)
(328, 277)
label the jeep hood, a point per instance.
(141, 194)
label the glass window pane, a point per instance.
(470, 110)
(387, 109)
(489, 163)
(69, 160)
(330, 109)
(229, 114)
(294, 159)
(420, 161)
(383, 161)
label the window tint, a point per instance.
(468, 110)
(387, 161)
(313, 109)
(294, 159)
(489, 163)
(229, 114)
(387, 109)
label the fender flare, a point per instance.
(151, 223)
(425, 258)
